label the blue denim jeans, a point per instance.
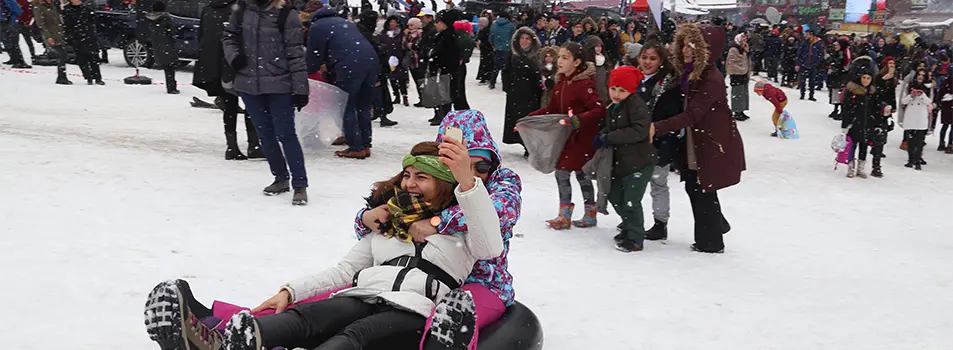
(357, 115)
(274, 119)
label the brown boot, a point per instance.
(362, 154)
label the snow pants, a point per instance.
(273, 116)
(488, 308)
(710, 223)
(626, 197)
(661, 201)
(357, 114)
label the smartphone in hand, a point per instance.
(453, 133)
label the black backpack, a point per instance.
(228, 74)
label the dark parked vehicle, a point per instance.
(128, 29)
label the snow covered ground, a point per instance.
(107, 190)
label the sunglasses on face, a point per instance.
(483, 167)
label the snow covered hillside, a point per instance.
(107, 190)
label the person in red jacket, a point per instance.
(776, 97)
(575, 91)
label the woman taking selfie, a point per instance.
(390, 282)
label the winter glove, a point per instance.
(550, 84)
(844, 130)
(890, 124)
(947, 97)
(239, 62)
(600, 141)
(573, 121)
(300, 101)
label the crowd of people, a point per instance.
(869, 79)
(656, 103)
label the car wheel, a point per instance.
(137, 54)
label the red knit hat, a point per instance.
(626, 77)
(887, 60)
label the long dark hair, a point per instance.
(575, 50)
(667, 66)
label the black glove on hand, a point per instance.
(239, 62)
(300, 101)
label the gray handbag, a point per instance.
(434, 90)
(544, 138)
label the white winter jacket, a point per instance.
(916, 114)
(362, 269)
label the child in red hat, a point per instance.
(625, 130)
(776, 97)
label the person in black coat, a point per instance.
(772, 54)
(486, 52)
(837, 75)
(79, 23)
(664, 99)
(391, 41)
(444, 57)
(788, 61)
(208, 76)
(382, 103)
(521, 83)
(165, 55)
(862, 112)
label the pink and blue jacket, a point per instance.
(504, 187)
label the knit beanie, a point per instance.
(626, 77)
(759, 86)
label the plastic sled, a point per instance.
(787, 128)
(517, 329)
(321, 121)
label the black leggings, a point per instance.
(860, 149)
(341, 323)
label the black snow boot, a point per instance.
(232, 152)
(834, 115)
(659, 231)
(242, 332)
(61, 78)
(875, 168)
(628, 246)
(386, 122)
(454, 322)
(277, 187)
(174, 319)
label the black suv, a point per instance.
(117, 24)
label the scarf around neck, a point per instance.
(405, 209)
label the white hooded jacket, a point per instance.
(410, 289)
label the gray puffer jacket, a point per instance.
(275, 65)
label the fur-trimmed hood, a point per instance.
(515, 42)
(551, 51)
(708, 42)
(580, 73)
(858, 90)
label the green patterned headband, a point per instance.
(430, 165)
